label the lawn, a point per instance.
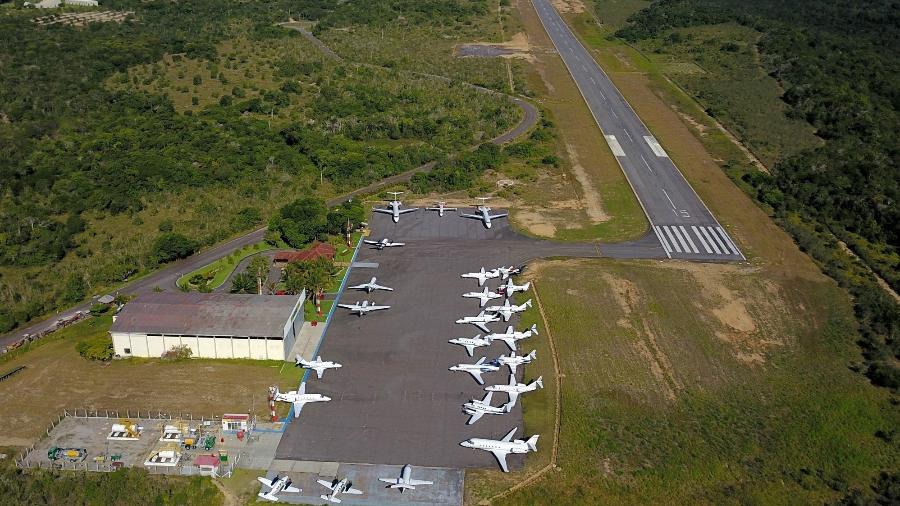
(218, 271)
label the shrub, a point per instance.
(180, 352)
(172, 246)
(99, 348)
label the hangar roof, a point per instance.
(206, 314)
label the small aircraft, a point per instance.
(510, 288)
(484, 213)
(317, 365)
(507, 309)
(510, 337)
(514, 388)
(405, 481)
(276, 486)
(394, 208)
(439, 207)
(470, 343)
(370, 287)
(506, 272)
(299, 398)
(484, 296)
(513, 360)
(503, 447)
(476, 369)
(364, 308)
(476, 409)
(338, 487)
(481, 276)
(384, 243)
(480, 320)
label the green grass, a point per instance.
(223, 267)
(310, 314)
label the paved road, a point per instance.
(680, 220)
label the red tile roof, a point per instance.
(206, 461)
(314, 251)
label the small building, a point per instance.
(315, 250)
(208, 464)
(235, 421)
(212, 325)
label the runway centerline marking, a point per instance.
(647, 164)
(669, 198)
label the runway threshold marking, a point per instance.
(614, 145)
(655, 147)
(700, 237)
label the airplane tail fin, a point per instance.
(298, 360)
(527, 286)
(540, 381)
(528, 303)
(532, 355)
(507, 407)
(532, 442)
(534, 329)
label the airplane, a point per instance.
(481, 276)
(470, 343)
(480, 320)
(510, 337)
(476, 409)
(384, 243)
(439, 207)
(370, 287)
(404, 481)
(505, 272)
(276, 486)
(484, 213)
(514, 388)
(503, 447)
(338, 487)
(510, 288)
(299, 398)
(364, 308)
(507, 309)
(394, 209)
(513, 360)
(484, 296)
(317, 365)
(476, 369)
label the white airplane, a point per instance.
(484, 296)
(276, 486)
(481, 276)
(439, 207)
(299, 398)
(510, 288)
(384, 243)
(317, 365)
(514, 388)
(476, 369)
(480, 320)
(503, 447)
(338, 487)
(470, 343)
(364, 308)
(506, 272)
(513, 360)
(507, 309)
(510, 337)
(394, 208)
(484, 213)
(476, 409)
(405, 481)
(370, 287)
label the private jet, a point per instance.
(503, 447)
(507, 309)
(510, 337)
(470, 343)
(317, 365)
(480, 321)
(364, 308)
(510, 288)
(513, 360)
(384, 243)
(299, 398)
(405, 481)
(476, 409)
(394, 208)
(514, 388)
(484, 296)
(276, 485)
(506, 272)
(337, 488)
(370, 287)
(439, 207)
(476, 369)
(484, 213)
(481, 276)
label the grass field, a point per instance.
(223, 267)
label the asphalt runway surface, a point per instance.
(680, 220)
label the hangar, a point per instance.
(212, 325)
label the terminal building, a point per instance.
(212, 325)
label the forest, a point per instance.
(837, 64)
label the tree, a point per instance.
(311, 276)
(75, 289)
(243, 282)
(259, 270)
(171, 246)
(300, 221)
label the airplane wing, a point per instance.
(512, 367)
(265, 481)
(509, 342)
(506, 314)
(353, 491)
(358, 287)
(298, 405)
(326, 484)
(477, 376)
(392, 481)
(348, 306)
(398, 244)
(319, 372)
(501, 215)
(420, 482)
(369, 241)
(291, 488)
(475, 417)
(473, 216)
(404, 211)
(268, 497)
(482, 326)
(376, 308)
(509, 435)
(382, 210)
(470, 349)
(512, 397)
(500, 455)
(379, 287)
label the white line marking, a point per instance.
(700, 237)
(614, 145)
(593, 81)
(688, 237)
(647, 164)
(655, 147)
(672, 238)
(727, 240)
(667, 196)
(662, 240)
(629, 136)
(614, 114)
(601, 93)
(583, 66)
(678, 235)
(712, 232)
(711, 243)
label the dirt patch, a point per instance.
(566, 6)
(624, 291)
(535, 223)
(592, 201)
(517, 47)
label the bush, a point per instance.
(99, 348)
(99, 309)
(172, 246)
(181, 352)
